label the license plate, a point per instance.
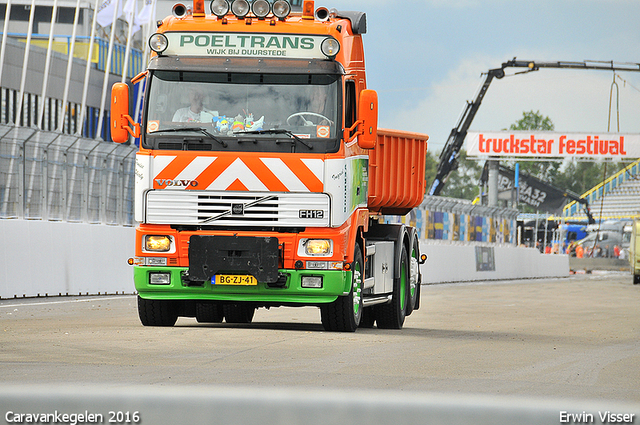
(233, 279)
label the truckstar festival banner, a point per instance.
(553, 144)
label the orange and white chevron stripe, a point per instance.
(246, 173)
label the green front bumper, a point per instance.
(334, 283)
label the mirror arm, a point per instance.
(139, 77)
(131, 126)
(353, 128)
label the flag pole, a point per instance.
(25, 62)
(87, 71)
(130, 16)
(145, 54)
(47, 66)
(7, 15)
(72, 48)
(107, 70)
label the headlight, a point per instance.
(157, 243)
(317, 247)
(330, 47)
(158, 43)
(219, 7)
(261, 8)
(281, 9)
(240, 8)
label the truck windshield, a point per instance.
(242, 111)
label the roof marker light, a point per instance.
(308, 9)
(219, 7)
(198, 8)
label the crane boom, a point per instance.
(448, 160)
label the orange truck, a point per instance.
(262, 179)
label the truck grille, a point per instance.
(237, 208)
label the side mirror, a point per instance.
(122, 125)
(368, 115)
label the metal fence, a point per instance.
(458, 220)
(58, 177)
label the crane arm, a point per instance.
(448, 160)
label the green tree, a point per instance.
(431, 167)
(579, 177)
(463, 182)
(533, 121)
(544, 170)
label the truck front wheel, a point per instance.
(157, 312)
(344, 314)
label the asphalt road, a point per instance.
(572, 338)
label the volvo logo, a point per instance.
(176, 183)
(237, 209)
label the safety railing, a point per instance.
(58, 177)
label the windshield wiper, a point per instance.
(196, 129)
(278, 131)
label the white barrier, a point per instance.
(40, 258)
(459, 263)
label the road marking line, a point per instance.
(63, 302)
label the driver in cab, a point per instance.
(195, 112)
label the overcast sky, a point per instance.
(427, 61)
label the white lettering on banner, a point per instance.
(553, 144)
(244, 45)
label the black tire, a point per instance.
(391, 315)
(368, 318)
(209, 313)
(238, 313)
(157, 312)
(414, 286)
(345, 313)
(636, 279)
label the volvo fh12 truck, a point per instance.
(262, 179)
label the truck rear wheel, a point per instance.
(239, 313)
(414, 290)
(209, 313)
(345, 313)
(157, 312)
(391, 316)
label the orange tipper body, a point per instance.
(261, 176)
